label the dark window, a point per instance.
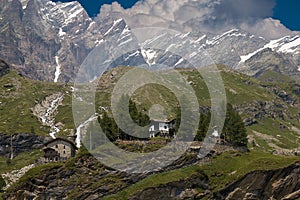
(64, 146)
(165, 127)
(56, 146)
(64, 152)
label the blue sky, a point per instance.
(287, 11)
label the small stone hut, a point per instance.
(59, 149)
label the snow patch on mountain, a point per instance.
(200, 38)
(179, 62)
(291, 47)
(125, 42)
(286, 44)
(24, 3)
(136, 53)
(149, 56)
(61, 33)
(74, 14)
(217, 39)
(113, 26)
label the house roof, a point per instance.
(61, 139)
(161, 120)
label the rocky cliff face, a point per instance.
(49, 41)
(4, 68)
(273, 184)
(183, 189)
(21, 143)
(45, 40)
(83, 177)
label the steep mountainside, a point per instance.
(275, 184)
(83, 177)
(46, 109)
(49, 41)
(269, 109)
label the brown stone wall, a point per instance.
(63, 148)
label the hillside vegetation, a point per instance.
(270, 109)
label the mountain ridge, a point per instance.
(59, 37)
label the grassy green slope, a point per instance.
(242, 91)
(223, 169)
(18, 95)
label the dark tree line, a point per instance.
(234, 130)
(110, 127)
(2, 183)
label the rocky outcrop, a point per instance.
(273, 184)
(184, 189)
(15, 175)
(21, 143)
(4, 68)
(82, 178)
(268, 59)
(62, 181)
(258, 110)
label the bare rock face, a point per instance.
(49, 41)
(274, 184)
(4, 68)
(40, 36)
(21, 143)
(184, 189)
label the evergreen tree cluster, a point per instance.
(110, 127)
(2, 183)
(234, 130)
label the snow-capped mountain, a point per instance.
(281, 55)
(286, 45)
(49, 41)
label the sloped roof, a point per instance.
(161, 120)
(61, 139)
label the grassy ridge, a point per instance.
(222, 170)
(18, 96)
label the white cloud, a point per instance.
(202, 15)
(268, 28)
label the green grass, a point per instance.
(156, 180)
(17, 101)
(21, 160)
(287, 139)
(273, 76)
(65, 115)
(222, 170)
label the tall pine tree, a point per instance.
(234, 130)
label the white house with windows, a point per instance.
(161, 127)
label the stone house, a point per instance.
(59, 149)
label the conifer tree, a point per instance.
(234, 130)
